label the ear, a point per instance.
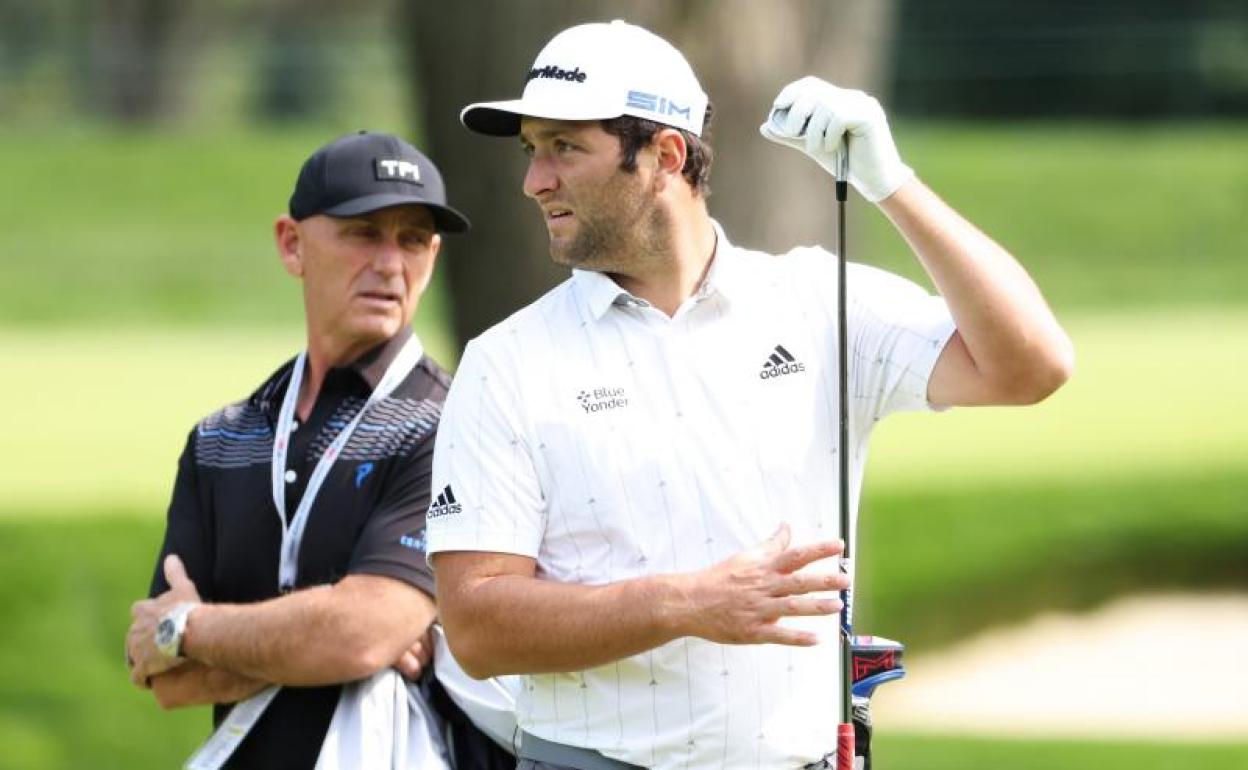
(286, 235)
(670, 153)
(435, 248)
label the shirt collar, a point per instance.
(371, 366)
(727, 274)
(598, 291)
(724, 276)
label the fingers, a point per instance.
(820, 117)
(797, 118)
(409, 665)
(416, 658)
(793, 559)
(798, 585)
(779, 540)
(175, 573)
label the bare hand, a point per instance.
(415, 658)
(141, 653)
(739, 600)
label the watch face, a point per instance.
(164, 632)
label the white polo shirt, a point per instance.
(607, 441)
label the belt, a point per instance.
(580, 758)
(542, 750)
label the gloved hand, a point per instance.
(813, 115)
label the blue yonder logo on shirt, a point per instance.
(361, 472)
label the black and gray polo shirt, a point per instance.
(369, 517)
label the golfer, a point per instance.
(635, 477)
(294, 550)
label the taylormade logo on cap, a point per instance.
(558, 73)
(634, 72)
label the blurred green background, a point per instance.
(139, 290)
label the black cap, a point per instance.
(359, 173)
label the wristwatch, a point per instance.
(170, 628)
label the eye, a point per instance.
(415, 239)
(360, 231)
(527, 149)
(563, 146)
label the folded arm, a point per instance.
(322, 635)
(317, 636)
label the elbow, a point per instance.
(1046, 373)
(471, 655)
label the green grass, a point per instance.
(65, 699)
(930, 752)
(1103, 215)
(1153, 393)
(100, 226)
(103, 422)
(66, 584)
(105, 412)
(115, 227)
(936, 566)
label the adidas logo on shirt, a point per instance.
(780, 363)
(445, 505)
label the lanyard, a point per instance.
(292, 533)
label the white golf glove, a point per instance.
(814, 116)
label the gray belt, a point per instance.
(542, 750)
(579, 758)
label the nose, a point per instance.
(539, 179)
(388, 259)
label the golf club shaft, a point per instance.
(845, 731)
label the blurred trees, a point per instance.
(468, 52)
(1109, 59)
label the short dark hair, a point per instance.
(635, 133)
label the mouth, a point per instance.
(556, 214)
(380, 296)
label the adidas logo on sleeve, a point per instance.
(780, 363)
(444, 505)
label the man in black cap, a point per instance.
(293, 559)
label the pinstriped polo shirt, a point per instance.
(607, 441)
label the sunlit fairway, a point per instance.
(104, 413)
(1153, 394)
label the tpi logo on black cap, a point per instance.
(395, 170)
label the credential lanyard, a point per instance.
(292, 533)
(244, 716)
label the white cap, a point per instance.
(599, 71)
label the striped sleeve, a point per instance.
(897, 332)
(486, 495)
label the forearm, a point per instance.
(196, 684)
(501, 619)
(1016, 346)
(512, 624)
(317, 636)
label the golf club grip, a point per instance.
(845, 746)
